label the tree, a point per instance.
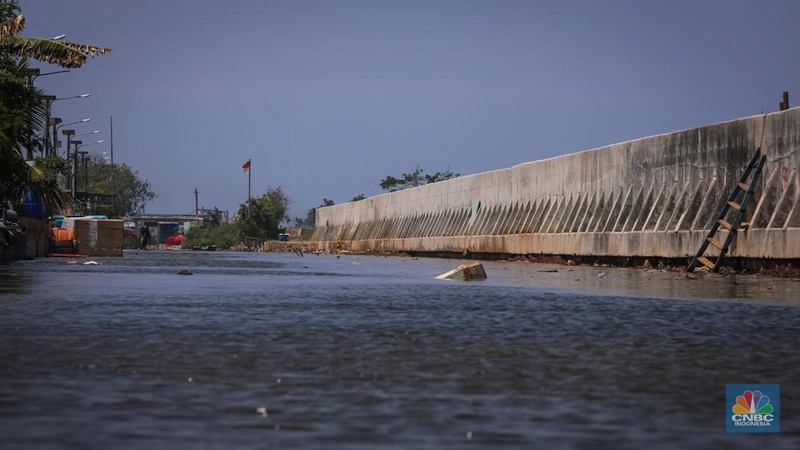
(21, 117)
(311, 218)
(441, 176)
(261, 217)
(22, 112)
(358, 197)
(311, 215)
(130, 193)
(414, 179)
(69, 55)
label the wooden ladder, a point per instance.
(743, 189)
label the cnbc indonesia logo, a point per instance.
(753, 411)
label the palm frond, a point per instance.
(46, 50)
(21, 107)
(70, 55)
(11, 27)
(88, 50)
(42, 181)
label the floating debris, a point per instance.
(263, 411)
(465, 272)
(184, 272)
(602, 275)
(92, 263)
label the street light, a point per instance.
(33, 73)
(77, 121)
(54, 122)
(49, 99)
(85, 174)
(68, 133)
(74, 96)
(78, 146)
(55, 132)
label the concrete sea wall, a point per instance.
(651, 197)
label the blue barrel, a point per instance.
(57, 221)
(33, 204)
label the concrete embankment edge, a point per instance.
(651, 197)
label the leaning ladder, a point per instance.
(743, 189)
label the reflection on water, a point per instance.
(13, 280)
(270, 350)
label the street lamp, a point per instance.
(78, 145)
(54, 122)
(55, 132)
(33, 73)
(77, 121)
(85, 155)
(74, 96)
(68, 133)
(49, 99)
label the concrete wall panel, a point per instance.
(655, 196)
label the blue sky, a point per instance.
(328, 97)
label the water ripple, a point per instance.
(261, 350)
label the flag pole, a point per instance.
(247, 166)
(113, 170)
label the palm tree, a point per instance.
(21, 110)
(21, 116)
(65, 54)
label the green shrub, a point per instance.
(223, 236)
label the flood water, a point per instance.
(278, 351)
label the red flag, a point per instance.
(246, 166)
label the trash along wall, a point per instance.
(651, 197)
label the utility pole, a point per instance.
(113, 171)
(68, 134)
(196, 209)
(77, 145)
(48, 101)
(55, 122)
(85, 176)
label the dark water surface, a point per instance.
(276, 351)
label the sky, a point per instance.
(329, 97)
